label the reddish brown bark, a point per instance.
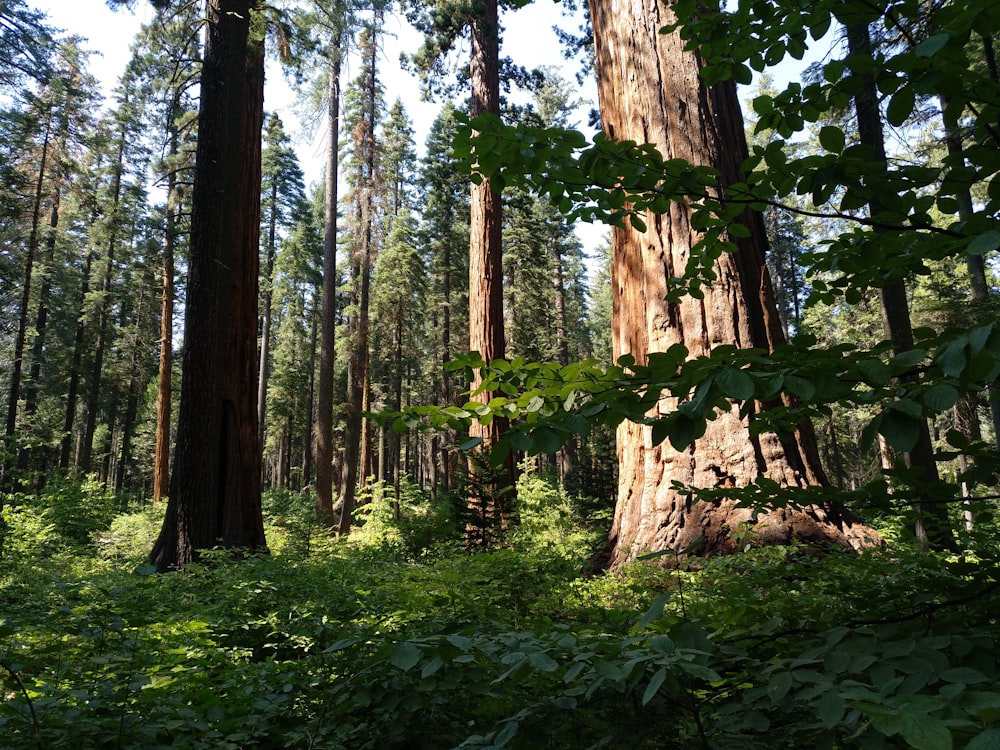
(491, 495)
(650, 92)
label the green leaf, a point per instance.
(405, 656)
(931, 45)
(965, 675)
(779, 685)
(506, 734)
(875, 371)
(925, 732)
(906, 360)
(988, 740)
(735, 383)
(832, 139)
(654, 685)
(900, 106)
(984, 243)
(940, 397)
(801, 387)
(830, 709)
(547, 441)
(899, 429)
(951, 357)
(469, 443)
(684, 430)
(656, 609)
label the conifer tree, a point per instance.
(443, 233)
(364, 111)
(283, 205)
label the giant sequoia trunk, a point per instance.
(650, 92)
(215, 488)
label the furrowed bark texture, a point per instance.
(215, 488)
(491, 500)
(650, 92)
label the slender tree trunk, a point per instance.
(566, 459)
(650, 92)
(133, 395)
(931, 525)
(976, 266)
(94, 387)
(164, 393)
(265, 328)
(491, 501)
(356, 446)
(215, 488)
(307, 453)
(77, 364)
(324, 411)
(41, 326)
(17, 366)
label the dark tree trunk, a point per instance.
(357, 454)
(931, 525)
(94, 386)
(41, 326)
(265, 327)
(307, 453)
(134, 393)
(76, 366)
(328, 321)
(650, 92)
(17, 366)
(215, 488)
(164, 393)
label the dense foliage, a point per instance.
(397, 638)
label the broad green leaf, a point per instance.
(940, 397)
(984, 243)
(931, 45)
(699, 671)
(832, 139)
(469, 443)
(800, 387)
(830, 709)
(656, 609)
(547, 441)
(779, 685)
(965, 675)
(906, 360)
(951, 357)
(735, 383)
(875, 371)
(405, 656)
(900, 430)
(925, 732)
(988, 740)
(900, 106)
(654, 685)
(506, 734)
(684, 430)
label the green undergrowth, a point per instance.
(398, 638)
